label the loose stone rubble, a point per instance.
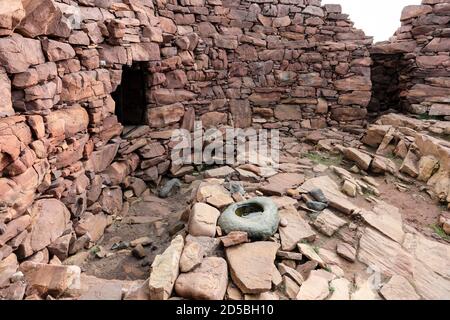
(92, 208)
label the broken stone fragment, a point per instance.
(214, 194)
(210, 246)
(207, 282)
(203, 220)
(51, 279)
(234, 238)
(280, 183)
(387, 219)
(251, 265)
(314, 288)
(8, 266)
(340, 289)
(296, 230)
(165, 270)
(6, 106)
(336, 198)
(428, 165)
(94, 224)
(290, 287)
(49, 219)
(191, 257)
(310, 252)
(292, 273)
(399, 288)
(60, 247)
(410, 164)
(363, 160)
(329, 223)
(221, 172)
(349, 188)
(139, 252)
(346, 251)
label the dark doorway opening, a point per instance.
(386, 88)
(130, 95)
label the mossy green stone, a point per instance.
(258, 217)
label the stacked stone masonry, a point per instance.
(286, 64)
(415, 63)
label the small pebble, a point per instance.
(120, 245)
(139, 252)
(283, 222)
(317, 206)
(319, 195)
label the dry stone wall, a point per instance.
(423, 71)
(271, 64)
(285, 64)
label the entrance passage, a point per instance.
(130, 95)
(385, 82)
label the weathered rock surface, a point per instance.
(314, 288)
(207, 282)
(51, 279)
(165, 270)
(398, 288)
(251, 265)
(328, 223)
(191, 256)
(296, 230)
(203, 220)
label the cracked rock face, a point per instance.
(251, 265)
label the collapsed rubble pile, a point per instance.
(312, 253)
(241, 63)
(70, 169)
(412, 69)
(289, 264)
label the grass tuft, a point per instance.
(325, 159)
(440, 232)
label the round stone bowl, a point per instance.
(258, 217)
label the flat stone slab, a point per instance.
(399, 288)
(207, 282)
(252, 265)
(328, 223)
(221, 172)
(386, 219)
(280, 183)
(297, 229)
(336, 199)
(423, 262)
(165, 270)
(314, 288)
(340, 289)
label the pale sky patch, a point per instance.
(378, 18)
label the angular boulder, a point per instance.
(165, 270)
(252, 265)
(11, 14)
(203, 220)
(49, 219)
(207, 282)
(51, 279)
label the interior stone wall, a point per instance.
(423, 42)
(287, 64)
